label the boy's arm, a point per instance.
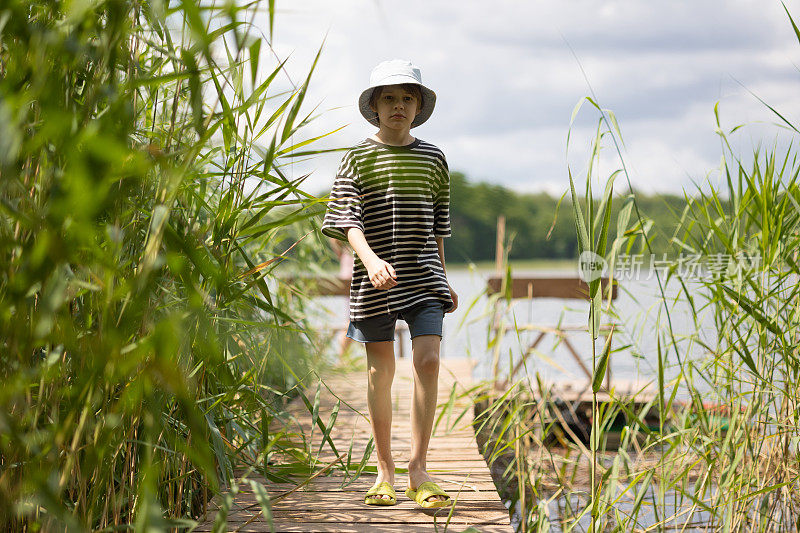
(381, 273)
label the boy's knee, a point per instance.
(427, 362)
(381, 375)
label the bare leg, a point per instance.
(425, 350)
(380, 368)
(343, 342)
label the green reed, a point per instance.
(724, 454)
(147, 347)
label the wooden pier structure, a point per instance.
(328, 504)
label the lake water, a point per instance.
(641, 316)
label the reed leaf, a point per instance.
(131, 344)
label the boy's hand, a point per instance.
(454, 297)
(381, 274)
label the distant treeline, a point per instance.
(541, 228)
(474, 208)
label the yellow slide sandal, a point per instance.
(425, 491)
(383, 489)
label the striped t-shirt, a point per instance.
(399, 196)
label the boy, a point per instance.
(390, 201)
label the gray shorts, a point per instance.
(424, 318)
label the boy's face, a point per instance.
(396, 107)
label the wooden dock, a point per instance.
(324, 505)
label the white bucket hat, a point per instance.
(395, 72)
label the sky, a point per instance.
(508, 75)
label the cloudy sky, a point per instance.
(507, 81)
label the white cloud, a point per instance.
(507, 82)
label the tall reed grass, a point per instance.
(147, 349)
(724, 452)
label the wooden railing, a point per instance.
(546, 287)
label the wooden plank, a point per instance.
(347, 502)
(319, 286)
(326, 505)
(547, 287)
(364, 482)
(383, 526)
(353, 498)
(467, 513)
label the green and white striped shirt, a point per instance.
(399, 196)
